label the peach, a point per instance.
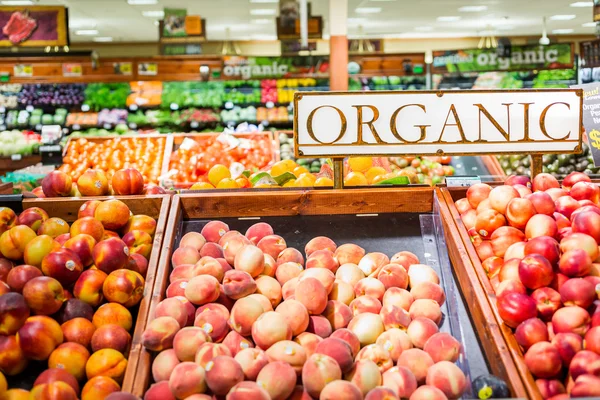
(12, 358)
(420, 330)
(138, 242)
(272, 245)
(365, 375)
(319, 325)
(426, 308)
(187, 342)
(323, 275)
(99, 387)
(337, 349)
(223, 373)
(427, 392)
(288, 290)
(287, 271)
(338, 314)
(367, 327)
(160, 333)
(447, 377)
(394, 317)
(543, 360)
(78, 330)
(578, 292)
(82, 245)
(395, 341)
(247, 390)
(269, 328)
(88, 209)
(71, 357)
(244, 314)
(428, 290)
(252, 361)
(183, 271)
(511, 286)
(53, 227)
(39, 336)
(172, 307)
(127, 181)
(191, 309)
(110, 255)
(378, 354)
(185, 255)
(124, 287)
(236, 342)
(75, 308)
(419, 273)
(14, 241)
(89, 226)
(290, 352)
(38, 248)
(572, 319)
(342, 292)
(370, 287)
(207, 266)
(13, 313)
(372, 263)
(63, 265)
(308, 341)
(106, 362)
(338, 390)
(211, 250)
(159, 391)
(417, 361)
(192, 239)
(213, 323)
(113, 313)
(111, 337)
(568, 344)
(318, 370)
(580, 241)
(57, 375)
(57, 184)
(249, 259)
(17, 394)
(364, 304)
(163, 365)
(349, 273)
(93, 183)
(295, 315)
(398, 297)
(312, 294)
(258, 231)
(33, 217)
(393, 275)
(270, 266)
(88, 287)
(203, 289)
(269, 288)
(237, 284)
(177, 288)
(401, 380)
(349, 253)
(278, 379)
(43, 295)
(4, 288)
(8, 219)
(214, 230)
(348, 337)
(550, 388)
(477, 193)
(54, 390)
(113, 214)
(443, 347)
(233, 245)
(585, 362)
(5, 267)
(143, 223)
(290, 255)
(322, 259)
(187, 379)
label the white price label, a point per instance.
(16, 157)
(85, 108)
(462, 181)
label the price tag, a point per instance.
(29, 108)
(2, 109)
(76, 127)
(132, 125)
(270, 104)
(85, 107)
(38, 127)
(174, 106)
(194, 125)
(462, 181)
(107, 126)
(23, 70)
(133, 107)
(229, 105)
(16, 157)
(51, 133)
(591, 123)
(51, 154)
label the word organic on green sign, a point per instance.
(555, 56)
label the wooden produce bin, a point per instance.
(474, 268)
(157, 207)
(377, 219)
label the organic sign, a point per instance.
(330, 124)
(34, 26)
(554, 56)
(272, 67)
(591, 117)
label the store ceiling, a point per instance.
(237, 19)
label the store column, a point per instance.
(338, 44)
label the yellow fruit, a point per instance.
(201, 185)
(290, 164)
(304, 181)
(300, 170)
(324, 181)
(281, 167)
(378, 179)
(227, 183)
(373, 172)
(290, 183)
(360, 164)
(355, 179)
(3, 385)
(218, 173)
(308, 175)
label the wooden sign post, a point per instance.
(428, 123)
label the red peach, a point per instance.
(318, 370)
(515, 308)
(272, 245)
(587, 222)
(88, 209)
(159, 391)
(39, 336)
(53, 227)
(339, 350)
(278, 379)
(12, 358)
(252, 361)
(488, 221)
(586, 386)
(510, 286)
(577, 292)
(159, 333)
(418, 362)
(550, 388)
(365, 375)
(500, 196)
(320, 326)
(124, 287)
(63, 265)
(393, 275)
(57, 184)
(54, 390)
(583, 363)
(78, 330)
(592, 340)
(146, 224)
(213, 250)
(72, 357)
(580, 241)
(138, 242)
(568, 344)
(163, 365)
(447, 377)
(237, 284)
(187, 378)
(127, 181)
(322, 259)
(541, 225)
(543, 360)
(270, 328)
(530, 332)
(110, 255)
(57, 375)
(290, 352)
(290, 255)
(535, 271)
(348, 337)
(43, 295)
(75, 308)
(88, 287)
(398, 297)
(575, 262)
(349, 253)
(113, 313)
(401, 380)
(13, 313)
(258, 231)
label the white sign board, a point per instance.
(339, 124)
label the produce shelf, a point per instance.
(385, 220)
(7, 164)
(157, 207)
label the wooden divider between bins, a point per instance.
(480, 279)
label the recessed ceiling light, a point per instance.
(86, 32)
(582, 4)
(589, 25)
(264, 1)
(17, 2)
(154, 14)
(142, 2)
(368, 10)
(472, 8)
(103, 39)
(261, 21)
(263, 11)
(562, 17)
(424, 28)
(448, 18)
(562, 31)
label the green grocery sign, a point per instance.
(554, 56)
(240, 67)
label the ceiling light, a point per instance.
(424, 28)
(368, 10)
(589, 25)
(263, 11)
(142, 2)
(86, 32)
(562, 31)
(582, 4)
(264, 1)
(261, 21)
(472, 8)
(448, 19)
(17, 2)
(263, 37)
(562, 17)
(154, 14)
(103, 39)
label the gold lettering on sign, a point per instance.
(543, 121)
(503, 132)
(525, 121)
(457, 123)
(394, 129)
(309, 124)
(361, 122)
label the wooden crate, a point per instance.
(6, 188)
(157, 207)
(298, 206)
(480, 279)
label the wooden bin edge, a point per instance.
(484, 286)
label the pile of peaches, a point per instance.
(94, 182)
(67, 295)
(539, 247)
(247, 317)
